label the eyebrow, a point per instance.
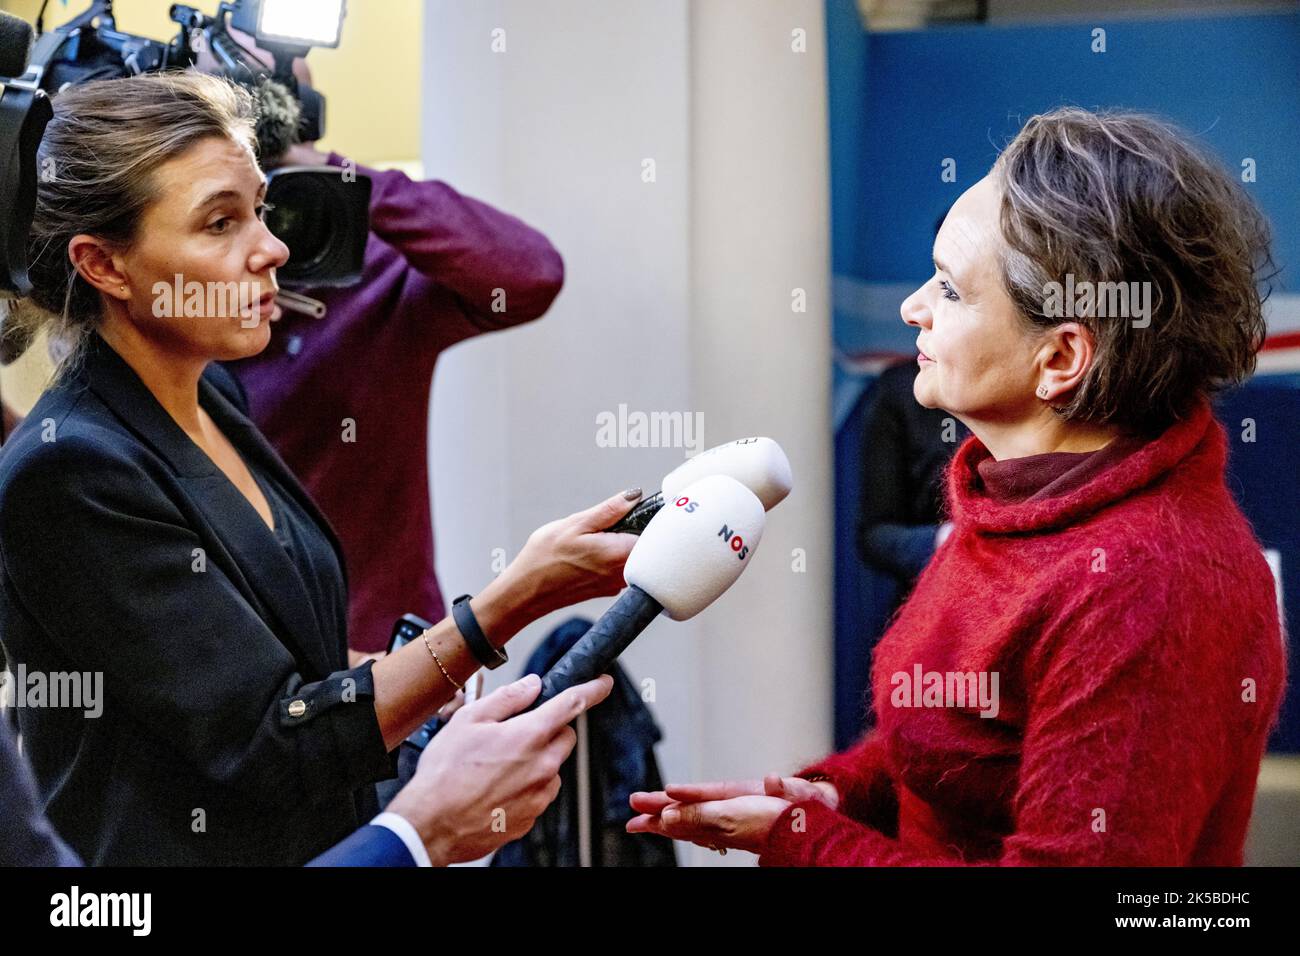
(943, 268)
(223, 194)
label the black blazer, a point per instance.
(231, 731)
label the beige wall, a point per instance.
(677, 298)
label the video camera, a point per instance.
(320, 213)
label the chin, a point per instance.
(924, 394)
(246, 343)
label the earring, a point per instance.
(1042, 391)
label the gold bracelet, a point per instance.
(425, 635)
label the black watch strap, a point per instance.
(482, 649)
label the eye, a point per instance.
(265, 209)
(948, 292)
(219, 227)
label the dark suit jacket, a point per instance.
(27, 839)
(369, 846)
(231, 731)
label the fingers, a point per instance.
(699, 792)
(608, 512)
(645, 823)
(551, 791)
(561, 710)
(655, 802)
(558, 750)
(357, 658)
(453, 705)
(698, 823)
(505, 701)
(796, 790)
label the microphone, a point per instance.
(694, 550)
(15, 45)
(757, 463)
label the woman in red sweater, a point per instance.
(1088, 670)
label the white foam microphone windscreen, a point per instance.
(757, 463)
(697, 545)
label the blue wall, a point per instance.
(964, 91)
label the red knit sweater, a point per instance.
(1133, 626)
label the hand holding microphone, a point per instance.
(569, 560)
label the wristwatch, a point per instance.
(482, 649)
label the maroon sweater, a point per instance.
(1133, 625)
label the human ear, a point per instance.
(1066, 356)
(99, 264)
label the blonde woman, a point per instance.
(148, 533)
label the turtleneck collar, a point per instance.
(1035, 477)
(1051, 490)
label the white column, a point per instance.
(678, 298)
(759, 232)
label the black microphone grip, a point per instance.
(597, 650)
(634, 521)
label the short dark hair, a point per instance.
(1111, 197)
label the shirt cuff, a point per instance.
(406, 833)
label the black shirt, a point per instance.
(307, 547)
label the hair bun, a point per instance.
(20, 322)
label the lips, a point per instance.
(921, 354)
(265, 306)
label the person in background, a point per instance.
(440, 268)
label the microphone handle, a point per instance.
(596, 651)
(634, 521)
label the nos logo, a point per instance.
(726, 534)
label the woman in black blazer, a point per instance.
(150, 534)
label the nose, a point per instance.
(915, 311)
(270, 252)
